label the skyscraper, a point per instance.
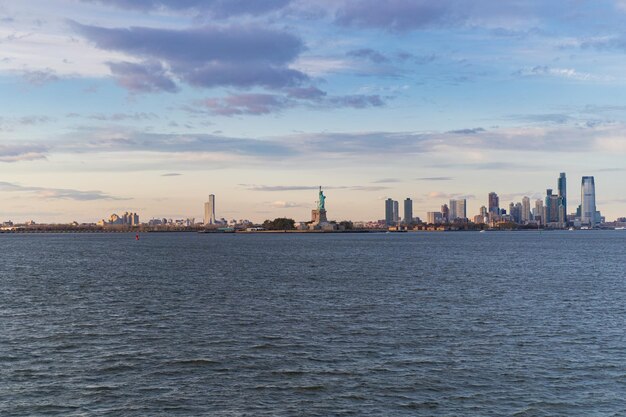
(445, 213)
(539, 211)
(494, 204)
(388, 211)
(452, 212)
(588, 201)
(525, 209)
(396, 211)
(458, 209)
(562, 188)
(408, 211)
(209, 211)
(553, 202)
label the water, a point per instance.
(434, 324)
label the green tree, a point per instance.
(280, 223)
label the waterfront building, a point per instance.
(209, 211)
(408, 211)
(388, 211)
(396, 211)
(525, 217)
(562, 191)
(551, 207)
(452, 215)
(458, 209)
(445, 213)
(588, 201)
(494, 204)
(539, 211)
(434, 217)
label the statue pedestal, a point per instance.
(318, 216)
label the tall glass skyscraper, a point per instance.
(209, 211)
(562, 185)
(494, 203)
(588, 201)
(389, 220)
(408, 211)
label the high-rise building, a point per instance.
(445, 213)
(553, 202)
(525, 209)
(434, 217)
(539, 211)
(209, 211)
(408, 211)
(517, 213)
(483, 211)
(458, 209)
(389, 212)
(562, 191)
(494, 204)
(452, 212)
(588, 201)
(396, 211)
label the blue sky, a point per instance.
(150, 105)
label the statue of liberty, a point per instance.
(321, 201)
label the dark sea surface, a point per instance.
(428, 324)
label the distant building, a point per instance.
(396, 211)
(389, 212)
(434, 217)
(525, 216)
(458, 209)
(209, 211)
(562, 190)
(408, 211)
(494, 204)
(588, 202)
(445, 213)
(551, 210)
(126, 219)
(539, 211)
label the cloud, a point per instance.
(40, 77)
(17, 153)
(357, 101)
(306, 93)
(604, 43)
(12, 123)
(280, 188)
(285, 204)
(263, 103)
(171, 174)
(435, 179)
(468, 131)
(546, 71)
(57, 193)
(216, 8)
(369, 54)
(285, 188)
(241, 56)
(253, 104)
(393, 15)
(387, 181)
(145, 77)
(558, 118)
(121, 140)
(330, 147)
(117, 117)
(442, 195)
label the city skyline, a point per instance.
(103, 112)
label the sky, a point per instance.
(109, 106)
